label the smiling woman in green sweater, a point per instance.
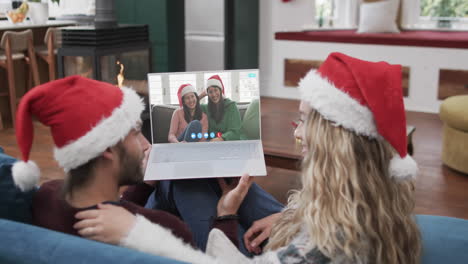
(223, 116)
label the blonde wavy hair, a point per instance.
(351, 207)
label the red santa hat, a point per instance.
(215, 80)
(85, 117)
(183, 90)
(364, 97)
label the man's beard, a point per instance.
(130, 169)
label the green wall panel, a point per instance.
(246, 34)
(242, 22)
(165, 19)
(154, 14)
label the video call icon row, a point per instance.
(206, 135)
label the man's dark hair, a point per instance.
(82, 175)
(198, 112)
(78, 177)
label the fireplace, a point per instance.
(98, 52)
(102, 50)
(115, 53)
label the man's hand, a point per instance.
(259, 232)
(108, 224)
(233, 194)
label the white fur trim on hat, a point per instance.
(187, 89)
(403, 168)
(337, 106)
(108, 132)
(155, 239)
(25, 175)
(214, 82)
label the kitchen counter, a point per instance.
(6, 25)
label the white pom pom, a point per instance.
(403, 169)
(25, 175)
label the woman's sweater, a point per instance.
(230, 125)
(154, 239)
(178, 124)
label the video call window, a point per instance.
(169, 119)
(246, 91)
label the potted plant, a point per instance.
(38, 11)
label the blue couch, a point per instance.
(445, 239)
(21, 242)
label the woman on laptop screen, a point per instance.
(223, 116)
(189, 120)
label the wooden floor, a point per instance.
(439, 190)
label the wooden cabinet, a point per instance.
(452, 82)
(296, 69)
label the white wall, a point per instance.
(278, 16)
(424, 62)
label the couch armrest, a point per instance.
(30, 244)
(445, 239)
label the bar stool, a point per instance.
(17, 46)
(48, 52)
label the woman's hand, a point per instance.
(202, 94)
(259, 232)
(108, 224)
(217, 139)
(233, 194)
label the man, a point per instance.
(98, 142)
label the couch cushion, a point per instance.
(14, 204)
(250, 122)
(161, 116)
(242, 109)
(378, 17)
(454, 111)
(31, 244)
(445, 239)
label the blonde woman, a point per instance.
(356, 202)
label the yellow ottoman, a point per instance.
(454, 114)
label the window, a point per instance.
(324, 13)
(341, 14)
(446, 13)
(433, 14)
(155, 89)
(71, 7)
(452, 9)
(175, 81)
(248, 86)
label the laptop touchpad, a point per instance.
(195, 169)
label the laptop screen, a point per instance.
(204, 106)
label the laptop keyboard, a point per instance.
(206, 151)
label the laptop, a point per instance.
(200, 154)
